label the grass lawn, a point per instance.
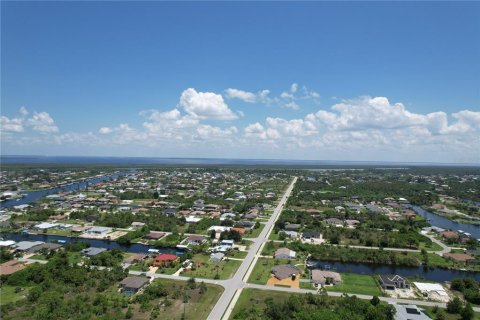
(254, 233)
(273, 236)
(256, 298)
(357, 283)
(433, 247)
(208, 270)
(237, 254)
(306, 285)
(169, 270)
(8, 294)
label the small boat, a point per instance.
(153, 251)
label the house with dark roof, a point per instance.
(392, 282)
(311, 235)
(132, 285)
(154, 235)
(285, 271)
(292, 226)
(170, 212)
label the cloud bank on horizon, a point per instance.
(206, 124)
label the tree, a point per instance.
(375, 301)
(203, 287)
(129, 313)
(454, 305)
(467, 312)
(191, 283)
(440, 315)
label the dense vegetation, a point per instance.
(61, 290)
(469, 287)
(345, 254)
(374, 230)
(373, 189)
(310, 307)
(5, 254)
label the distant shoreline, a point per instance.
(91, 160)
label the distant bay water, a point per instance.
(76, 160)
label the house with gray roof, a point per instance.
(217, 257)
(24, 246)
(284, 253)
(92, 251)
(321, 278)
(132, 285)
(285, 271)
(409, 312)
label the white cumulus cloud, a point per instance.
(205, 105)
(42, 122)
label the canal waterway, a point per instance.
(431, 274)
(445, 223)
(107, 244)
(33, 196)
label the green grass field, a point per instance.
(254, 233)
(169, 270)
(237, 254)
(357, 284)
(8, 294)
(209, 270)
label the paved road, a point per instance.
(445, 248)
(222, 283)
(236, 282)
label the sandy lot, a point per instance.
(288, 282)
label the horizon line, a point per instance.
(252, 159)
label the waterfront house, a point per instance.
(392, 282)
(164, 259)
(459, 257)
(195, 240)
(99, 230)
(321, 278)
(154, 235)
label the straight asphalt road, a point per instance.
(236, 282)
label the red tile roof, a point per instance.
(166, 257)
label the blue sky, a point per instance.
(347, 80)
